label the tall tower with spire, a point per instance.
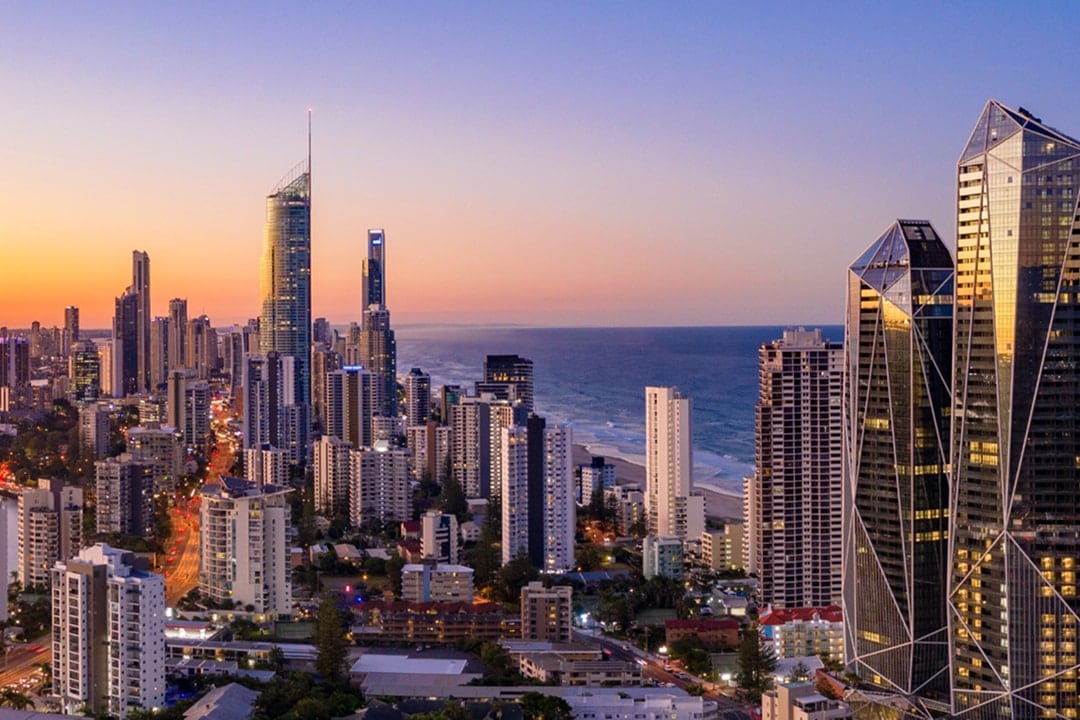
(285, 323)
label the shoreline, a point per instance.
(719, 503)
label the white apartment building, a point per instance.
(332, 468)
(108, 633)
(439, 537)
(669, 466)
(159, 446)
(514, 450)
(50, 529)
(379, 485)
(267, 466)
(244, 545)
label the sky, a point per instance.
(557, 163)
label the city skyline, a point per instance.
(730, 133)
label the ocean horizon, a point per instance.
(593, 380)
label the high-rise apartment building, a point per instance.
(202, 347)
(898, 340)
(332, 460)
(379, 485)
(378, 353)
(546, 612)
(124, 496)
(159, 447)
(9, 542)
(430, 445)
(159, 353)
(244, 548)
(71, 329)
(177, 343)
(188, 407)
(794, 500)
(140, 283)
(596, 477)
(267, 466)
(50, 528)
(108, 633)
(350, 402)
(125, 342)
(417, 397)
(669, 466)
(285, 323)
(508, 377)
(373, 287)
(1015, 500)
(93, 430)
(537, 496)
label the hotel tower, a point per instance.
(1015, 501)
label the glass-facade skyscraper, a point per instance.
(373, 290)
(1015, 506)
(898, 355)
(285, 326)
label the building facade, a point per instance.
(546, 612)
(669, 466)
(793, 502)
(897, 394)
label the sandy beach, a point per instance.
(718, 503)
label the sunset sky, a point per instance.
(604, 163)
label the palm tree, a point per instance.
(14, 700)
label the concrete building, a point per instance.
(9, 543)
(596, 478)
(510, 378)
(124, 496)
(546, 612)
(434, 582)
(417, 397)
(669, 466)
(794, 500)
(50, 529)
(662, 555)
(801, 701)
(333, 464)
(801, 632)
(108, 633)
(267, 466)
(379, 485)
(724, 549)
(160, 447)
(439, 537)
(629, 507)
(430, 445)
(94, 430)
(350, 402)
(243, 537)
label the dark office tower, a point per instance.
(285, 324)
(125, 355)
(159, 353)
(378, 353)
(896, 436)
(71, 328)
(1015, 538)
(202, 347)
(794, 500)
(85, 371)
(140, 283)
(417, 397)
(320, 332)
(535, 465)
(178, 328)
(373, 291)
(508, 377)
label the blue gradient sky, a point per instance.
(548, 163)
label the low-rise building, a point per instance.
(553, 669)
(797, 632)
(431, 582)
(432, 623)
(715, 634)
(723, 549)
(662, 555)
(546, 612)
(801, 701)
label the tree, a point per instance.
(513, 576)
(453, 500)
(756, 665)
(276, 659)
(394, 567)
(801, 673)
(536, 706)
(330, 640)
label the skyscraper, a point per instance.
(126, 344)
(378, 353)
(417, 397)
(896, 429)
(140, 283)
(373, 289)
(177, 342)
(508, 377)
(285, 323)
(669, 465)
(1015, 502)
(793, 502)
(71, 329)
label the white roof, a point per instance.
(402, 664)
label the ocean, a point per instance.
(593, 379)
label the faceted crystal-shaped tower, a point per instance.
(1015, 427)
(898, 352)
